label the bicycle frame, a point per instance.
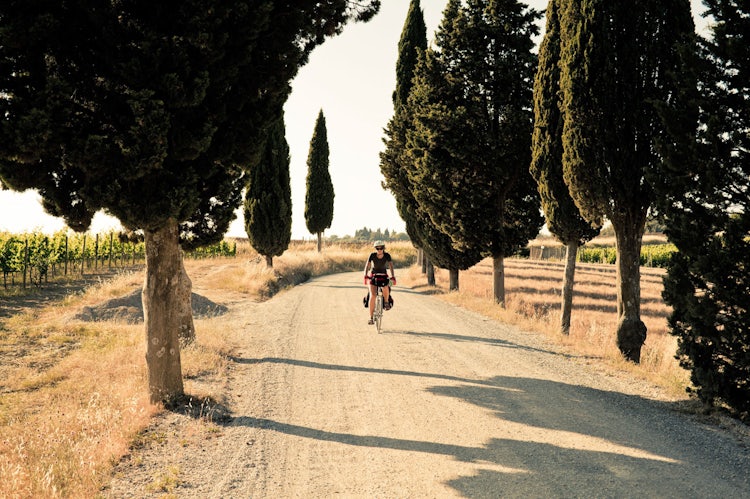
(377, 314)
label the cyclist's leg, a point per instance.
(386, 294)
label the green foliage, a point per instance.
(39, 254)
(395, 160)
(413, 40)
(147, 112)
(652, 255)
(36, 253)
(707, 213)
(319, 193)
(268, 197)
(365, 234)
(620, 69)
(217, 250)
(476, 82)
(563, 218)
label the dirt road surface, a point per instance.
(443, 403)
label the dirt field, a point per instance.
(442, 403)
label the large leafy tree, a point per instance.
(618, 63)
(564, 220)
(706, 208)
(149, 111)
(319, 193)
(472, 132)
(268, 197)
(394, 160)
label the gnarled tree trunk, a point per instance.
(631, 331)
(164, 312)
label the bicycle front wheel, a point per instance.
(378, 315)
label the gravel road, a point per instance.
(443, 403)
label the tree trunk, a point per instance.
(320, 241)
(453, 280)
(269, 261)
(424, 262)
(631, 331)
(184, 297)
(571, 251)
(430, 271)
(498, 279)
(163, 309)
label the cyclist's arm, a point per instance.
(367, 267)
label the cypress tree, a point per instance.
(319, 194)
(472, 132)
(707, 213)
(148, 112)
(617, 63)
(268, 197)
(394, 160)
(564, 220)
(412, 42)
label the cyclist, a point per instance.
(380, 261)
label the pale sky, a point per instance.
(351, 78)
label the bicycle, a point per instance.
(379, 281)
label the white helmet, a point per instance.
(378, 243)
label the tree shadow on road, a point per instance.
(559, 440)
(489, 341)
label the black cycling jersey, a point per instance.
(379, 264)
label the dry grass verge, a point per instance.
(533, 302)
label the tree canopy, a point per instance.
(395, 160)
(471, 106)
(150, 111)
(706, 209)
(619, 64)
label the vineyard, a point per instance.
(31, 259)
(652, 255)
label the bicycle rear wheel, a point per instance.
(378, 315)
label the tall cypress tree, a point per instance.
(319, 194)
(394, 160)
(268, 197)
(707, 213)
(148, 111)
(564, 220)
(618, 62)
(473, 130)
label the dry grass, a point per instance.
(73, 395)
(533, 302)
(296, 265)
